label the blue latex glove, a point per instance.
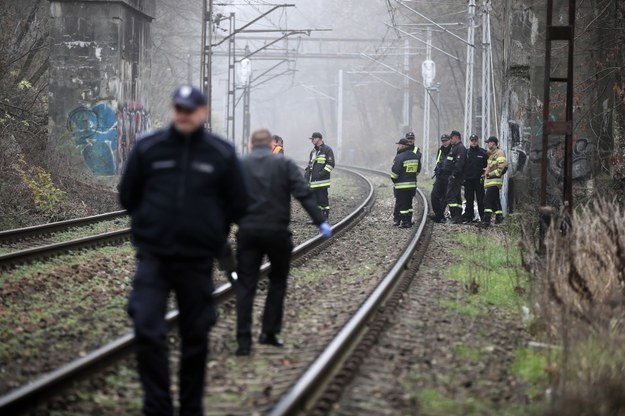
(326, 230)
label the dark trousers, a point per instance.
(252, 245)
(439, 192)
(473, 191)
(321, 194)
(192, 283)
(454, 198)
(492, 202)
(403, 204)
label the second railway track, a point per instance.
(328, 291)
(39, 390)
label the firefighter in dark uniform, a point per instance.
(455, 169)
(473, 180)
(264, 231)
(404, 173)
(439, 191)
(320, 166)
(182, 187)
(493, 182)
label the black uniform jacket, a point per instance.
(271, 180)
(320, 166)
(441, 159)
(456, 159)
(477, 159)
(406, 167)
(182, 193)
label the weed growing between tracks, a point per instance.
(493, 372)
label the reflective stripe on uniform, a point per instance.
(328, 168)
(498, 212)
(455, 205)
(405, 185)
(488, 182)
(324, 208)
(450, 158)
(394, 175)
(320, 184)
(408, 211)
(488, 211)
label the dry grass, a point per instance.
(579, 301)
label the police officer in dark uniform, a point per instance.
(320, 166)
(455, 169)
(182, 187)
(413, 147)
(477, 159)
(439, 191)
(271, 181)
(406, 167)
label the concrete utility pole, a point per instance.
(339, 119)
(468, 92)
(427, 66)
(407, 109)
(486, 70)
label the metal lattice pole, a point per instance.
(468, 93)
(486, 70)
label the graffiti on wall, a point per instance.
(526, 147)
(105, 135)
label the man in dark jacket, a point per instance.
(477, 159)
(320, 166)
(455, 169)
(406, 167)
(182, 187)
(439, 191)
(271, 180)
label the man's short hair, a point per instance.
(261, 137)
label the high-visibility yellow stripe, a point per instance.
(408, 211)
(493, 182)
(320, 184)
(328, 168)
(488, 211)
(450, 158)
(405, 185)
(394, 176)
(454, 205)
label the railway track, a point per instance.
(23, 245)
(40, 390)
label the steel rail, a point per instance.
(22, 233)
(22, 256)
(35, 393)
(312, 384)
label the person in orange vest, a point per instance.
(278, 145)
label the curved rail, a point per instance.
(29, 396)
(22, 233)
(313, 383)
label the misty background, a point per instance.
(304, 98)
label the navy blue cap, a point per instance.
(316, 135)
(410, 135)
(404, 142)
(454, 133)
(189, 97)
(473, 137)
(444, 138)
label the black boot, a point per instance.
(485, 221)
(456, 215)
(498, 218)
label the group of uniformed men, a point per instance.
(478, 170)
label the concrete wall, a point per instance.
(521, 122)
(99, 72)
